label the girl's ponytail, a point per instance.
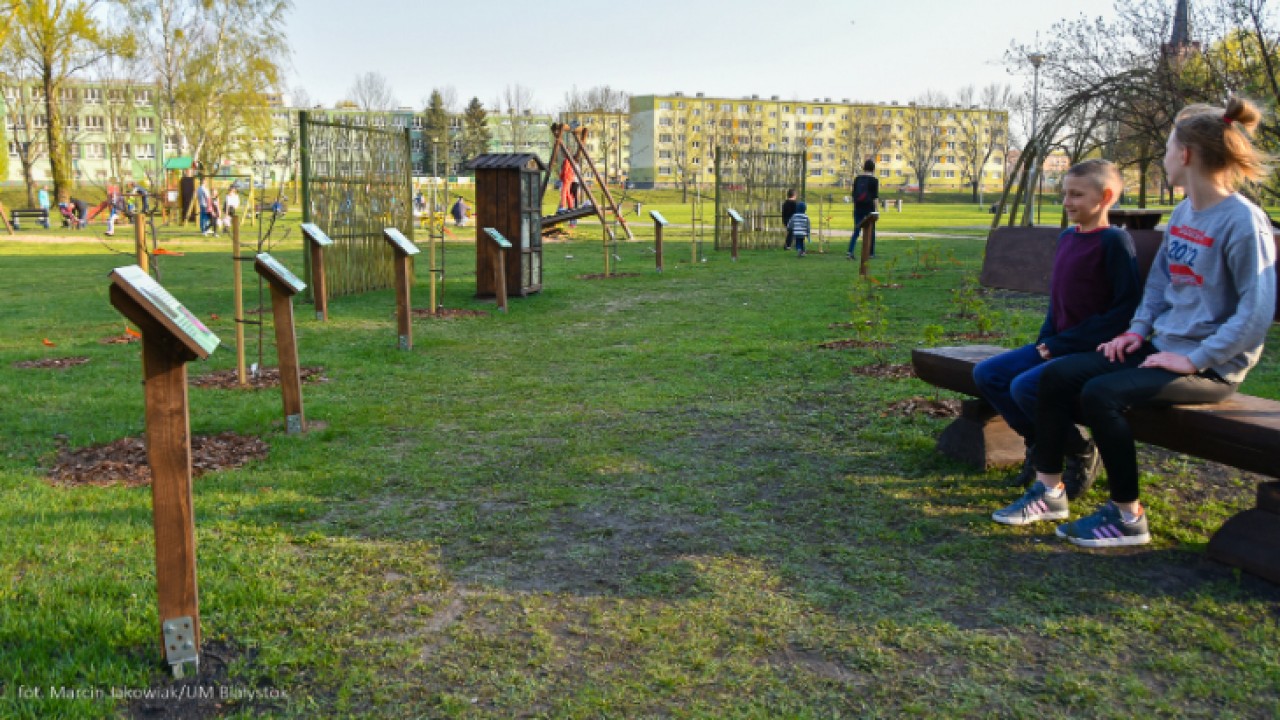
(1223, 138)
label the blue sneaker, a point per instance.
(1034, 505)
(1106, 528)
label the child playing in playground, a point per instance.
(1094, 290)
(1209, 300)
(798, 227)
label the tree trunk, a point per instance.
(1144, 164)
(59, 160)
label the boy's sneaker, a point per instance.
(1106, 528)
(1080, 470)
(1034, 505)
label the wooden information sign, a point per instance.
(317, 241)
(659, 222)
(404, 314)
(737, 223)
(501, 245)
(284, 285)
(171, 337)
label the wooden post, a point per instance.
(868, 236)
(500, 247)
(431, 266)
(737, 223)
(404, 250)
(140, 241)
(171, 337)
(237, 277)
(659, 222)
(4, 216)
(284, 285)
(317, 241)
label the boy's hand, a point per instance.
(1173, 362)
(1119, 346)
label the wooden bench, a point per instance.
(40, 214)
(1243, 431)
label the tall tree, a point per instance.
(517, 110)
(371, 92)
(56, 40)
(25, 118)
(980, 131)
(219, 66)
(923, 127)
(435, 128)
(475, 129)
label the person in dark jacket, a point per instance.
(788, 209)
(866, 191)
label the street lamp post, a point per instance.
(1036, 59)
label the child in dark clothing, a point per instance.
(1093, 293)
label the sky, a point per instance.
(864, 50)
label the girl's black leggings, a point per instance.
(1102, 391)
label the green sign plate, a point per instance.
(657, 216)
(497, 237)
(165, 307)
(400, 242)
(316, 235)
(267, 265)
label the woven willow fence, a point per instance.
(356, 181)
(755, 182)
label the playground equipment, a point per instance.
(568, 158)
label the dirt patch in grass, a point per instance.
(447, 314)
(885, 371)
(602, 276)
(266, 378)
(852, 344)
(124, 461)
(124, 339)
(924, 406)
(51, 363)
(211, 693)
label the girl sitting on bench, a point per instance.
(1208, 303)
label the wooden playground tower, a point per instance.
(569, 157)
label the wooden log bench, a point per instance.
(1242, 432)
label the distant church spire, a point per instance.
(1180, 43)
(1181, 36)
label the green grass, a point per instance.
(645, 496)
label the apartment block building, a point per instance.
(673, 139)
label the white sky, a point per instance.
(869, 50)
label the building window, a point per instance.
(145, 124)
(141, 97)
(802, 111)
(817, 111)
(93, 96)
(94, 123)
(664, 105)
(664, 154)
(664, 169)
(935, 174)
(664, 138)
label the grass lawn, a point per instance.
(636, 497)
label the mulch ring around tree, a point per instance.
(851, 344)
(447, 314)
(124, 461)
(51, 363)
(266, 378)
(602, 276)
(932, 407)
(885, 371)
(971, 336)
(119, 339)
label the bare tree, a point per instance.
(517, 110)
(980, 130)
(923, 139)
(300, 98)
(25, 120)
(372, 93)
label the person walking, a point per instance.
(788, 209)
(866, 191)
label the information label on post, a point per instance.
(181, 321)
(734, 214)
(657, 217)
(278, 272)
(497, 237)
(400, 242)
(316, 235)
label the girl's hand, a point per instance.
(1173, 362)
(1116, 348)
